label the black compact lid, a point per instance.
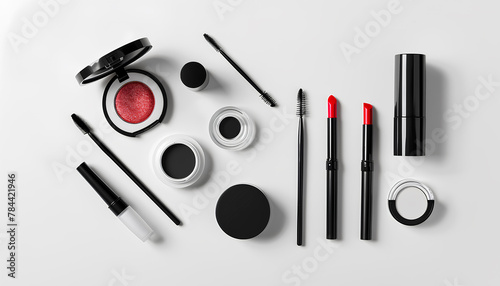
(114, 61)
(193, 74)
(242, 211)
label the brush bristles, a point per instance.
(301, 103)
(268, 99)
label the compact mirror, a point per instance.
(410, 202)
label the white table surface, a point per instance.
(66, 236)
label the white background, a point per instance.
(68, 237)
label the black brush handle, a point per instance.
(87, 130)
(242, 73)
(300, 182)
(214, 44)
(134, 178)
(265, 96)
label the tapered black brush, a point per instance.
(301, 111)
(87, 131)
(263, 95)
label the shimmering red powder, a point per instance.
(134, 102)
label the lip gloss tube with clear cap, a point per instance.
(120, 208)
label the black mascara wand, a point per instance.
(263, 95)
(87, 131)
(301, 111)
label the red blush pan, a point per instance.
(134, 102)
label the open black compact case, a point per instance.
(134, 100)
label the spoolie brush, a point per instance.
(262, 94)
(268, 99)
(301, 103)
(301, 111)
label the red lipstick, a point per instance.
(367, 114)
(332, 107)
(366, 173)
(331, 170)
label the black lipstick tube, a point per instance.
(409, 105)
(331, 179)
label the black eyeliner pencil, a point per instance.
(86, 130)
(263, 95)
(301, 110)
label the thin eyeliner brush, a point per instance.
(263, 95)
(301, 111)
(86, 130)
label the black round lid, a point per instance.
(193, 74)
(114, 60)
(242, 211)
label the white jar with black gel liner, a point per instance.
(179, 161)
(120, 208)
(231, 128)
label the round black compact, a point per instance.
(194, 76)
(134, 100)
(242, 211)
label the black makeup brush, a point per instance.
(301, 111)
(263, 95)
(87, 131)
